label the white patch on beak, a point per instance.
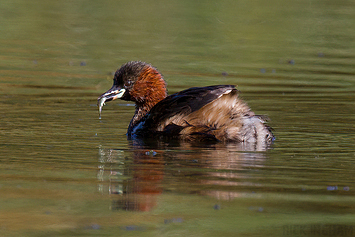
(119, 94)
(112, 95)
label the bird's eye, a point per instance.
(128, 83)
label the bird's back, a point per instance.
(206, 113)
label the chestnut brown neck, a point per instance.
(148, 90)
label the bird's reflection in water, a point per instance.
(136, 177)
(131, 177)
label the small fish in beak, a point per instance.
(100, 104)
(111, 94)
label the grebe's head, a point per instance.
(136, 81)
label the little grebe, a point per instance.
(199, 113)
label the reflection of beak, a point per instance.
(114, 93)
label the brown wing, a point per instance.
(182, 104)
(227, 118)
(208, 113)
(223, 119)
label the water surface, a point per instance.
(64, 172)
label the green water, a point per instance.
(64, 172)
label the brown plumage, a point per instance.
(201, 113)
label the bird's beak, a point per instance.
(115, 92)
